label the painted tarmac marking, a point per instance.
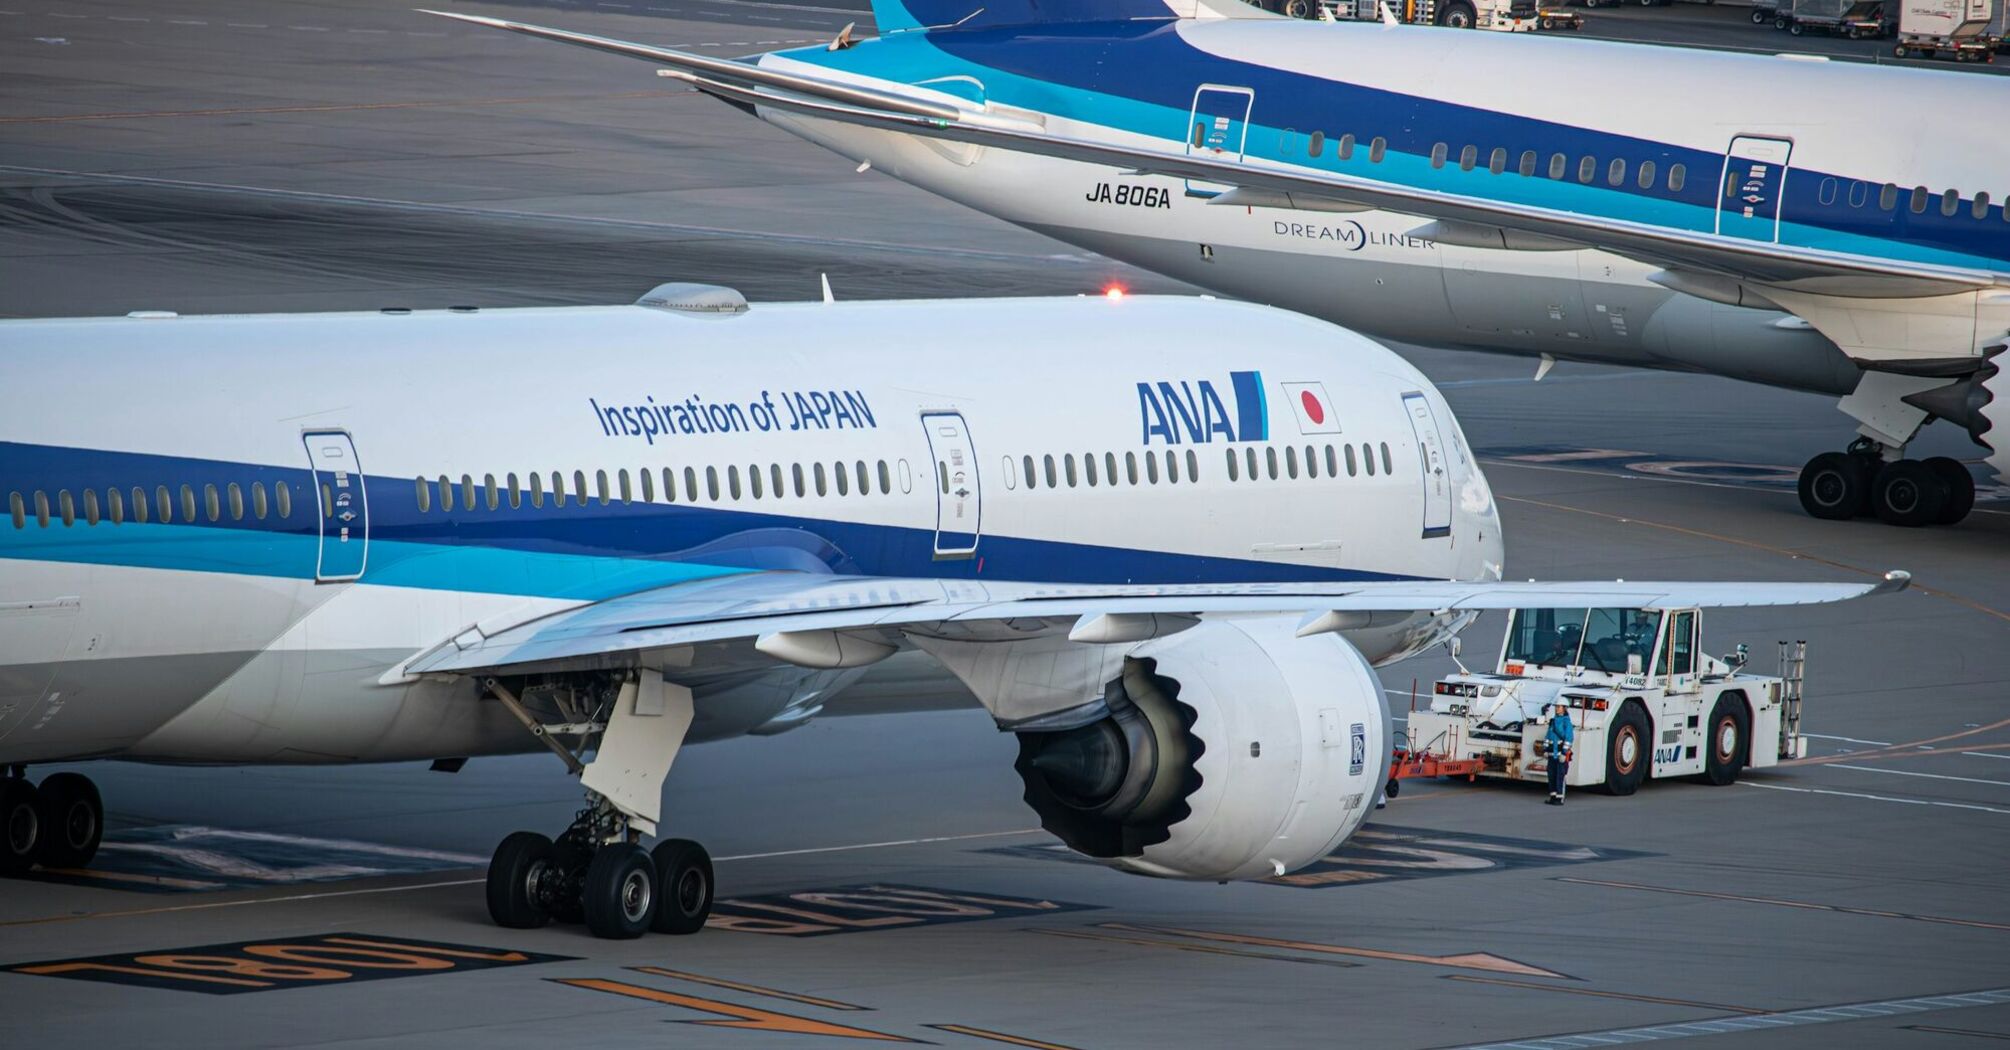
(1786, 903)
(255, 966)
(1879, 798)
(1466, 961)
(998, 1037)
(1656, 999)
(1754, 1022)
(879, 845)
(1928, 776)
(1625, 519)
(744, 1018)
(1973, 1033)
(129, 878)
(878, 906)
(1899, 750)
(751, 989)
(348, 108)
(1205, 949)
(1847, 739)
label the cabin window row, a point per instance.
(689, 485)
(163, 504)
(1918, 199)
(1330, 455)
(1646, 174)
(1134, 468)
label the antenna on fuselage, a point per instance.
(1388, 16)
(826, 279)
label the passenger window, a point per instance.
(1469, 157)
(775, 480)
(68, 506)
(885, 479)
(1311, 462)
(796, 474)
(733, 481)
(670, 485)
(1089, 469)
(1249, 461)
(424, 491)
(1980, 209)
(1557, 164)
(1859, 194)
(1826, 195)
(188, 503)
(139, 505)
(1068, 468)
(42, 508)
(941, 475)
(162, 499)
(1110, 467)
(537, 489)
(1645, 177)
(600, 487)
(491, 496)
(1677, 177)
(1332, 463)
(1497, 162)
(1032, 479)
(1438, 155)
(1376, 149)
(1291, 461)
(557, 489)
(691, 484)
(579, 493)
(1192, 465)
(1346, 150)
(1131, 466)
(1919, 196)
(621, 479)
(17, 507)
(1387, 468)
(1151, 469)
(712, 484)
(818, 470)
(91, 506)
(1231, 466)
(1199, 133)
(115, 504)
(754, 480)
(516, 490)
(258, 504)
(1950, 202)
(1172, 468)
(446, 495)
(284, 496)
(1270, 457)
(232, 492)
(1045, 461)
(1368, 456)
(327, 502)
(1350, 460)
(1317, 144)
(1615, 173)
(858, 474)
(1887, 197)
(467, 492)
(1587, 168)
(645, 475)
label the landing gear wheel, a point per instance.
(1835, 486)
(683, 886)
(73, 820)
(1960, 494)
(1626, 752)
(1908, 493)
(515, 884)
(619, 894)
(20, 826)
(1730, 727)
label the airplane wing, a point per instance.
(697, 630)
(1461, 219)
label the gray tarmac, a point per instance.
(884, 880)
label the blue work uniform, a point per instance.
(1561, 737)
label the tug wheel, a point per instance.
(1730, 730)
(1626, 752)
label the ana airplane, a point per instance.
(1478, 190)
(440, 534)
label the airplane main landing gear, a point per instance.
(1906, 492)
(57, 825)
(599, 874)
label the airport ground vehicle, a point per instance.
(1855, 19)
(1510, 16)
(1645, 698)
(1957, 28)
(1557, 18)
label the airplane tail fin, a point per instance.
(896, 15)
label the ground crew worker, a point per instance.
(1561, 740)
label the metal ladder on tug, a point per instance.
(1793, 669)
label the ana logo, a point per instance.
(1194, 412)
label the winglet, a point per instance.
(1894, 581)
(1388, 16)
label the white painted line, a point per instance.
(1877, 798)
(185, 22)
(878, 845)
(1928, 776)
(369, 30)
(1985, 754)
(310, 29)
(1848, 739)
(123, 18)
(59, 14)
(247, 25)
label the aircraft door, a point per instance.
(1217, 127)
(959, 499)
(344, 508)
(1436, 469)
(1755, 178)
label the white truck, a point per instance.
(1643, 697)
(1505, 16)
(1957, 28)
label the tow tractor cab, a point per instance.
(1643, 696)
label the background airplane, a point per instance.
(1425, 186)
(463, 532)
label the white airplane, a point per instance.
(375, 537)
(1830, 227)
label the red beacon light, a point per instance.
(1114, 293)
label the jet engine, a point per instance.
(1232, 750)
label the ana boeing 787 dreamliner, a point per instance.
(1568, 199)
(614, 530)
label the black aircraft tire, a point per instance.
(73, 820)
(20, 826)
(1730, 731)
(1960, 491)
(1908, 493)
(1835, 486)
(1627, 751)
(519, 863)
(683, 886)
(619, 893)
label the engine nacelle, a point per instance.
(1233, 750)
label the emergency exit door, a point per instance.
(342, 505)
(1755, 180)
(1431, 456)
(1217, 128)
(959, 499)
